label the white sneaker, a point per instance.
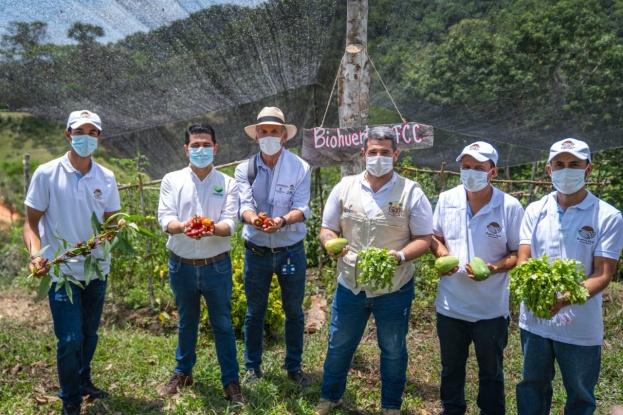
(323, 407)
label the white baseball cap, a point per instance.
(78, 118)
(481, 151)
(572, 146)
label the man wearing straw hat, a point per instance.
(276, 182)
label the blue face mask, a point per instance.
(201, 156)
(83, 145)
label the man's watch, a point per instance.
(402, 257)
(284, 222)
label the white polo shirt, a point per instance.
(589, 229)
(491, 234)
(183, 195)
(68, 201)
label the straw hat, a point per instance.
(270, 115)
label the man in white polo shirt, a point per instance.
(475, 219)
(376, 208)
(568, 223)
(63, 195)
(200, 266)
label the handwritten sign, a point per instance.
(333, 146)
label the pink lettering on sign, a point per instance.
(334, 138)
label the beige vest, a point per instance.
(388, 228)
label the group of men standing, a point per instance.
(376, 208)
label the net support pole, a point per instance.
(354, 79)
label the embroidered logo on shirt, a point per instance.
(395, 208)
(350, 209)
(586, 235)
(97, 194)
(218, 191)
(493, 230)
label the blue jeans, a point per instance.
(490, 338)
(75, 327)
(214, 283)
(349, 317)
(579, 367)
(258, 274)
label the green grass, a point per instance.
(132, 361)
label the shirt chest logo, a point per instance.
(586, 235)
(494, 230)
(285, 189)
(349, 209)
(395, 208)
(97, 194)
(218, 191)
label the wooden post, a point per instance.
(354, 79)
(442, 176)
(152, 298)
(26, 162)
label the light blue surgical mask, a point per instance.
(201, 156)
(569, 181)
(83, 145)
(474, 180)
(270, 145)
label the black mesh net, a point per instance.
(519, 74)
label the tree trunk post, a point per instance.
(354, 79)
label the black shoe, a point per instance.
(300, 378)
(70, 409)
(88, 388)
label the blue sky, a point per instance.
(119, 18)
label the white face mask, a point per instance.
(569, 181)
(379, 166)
(270, 145)
(474, 180)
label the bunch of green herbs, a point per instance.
(538, 283)
(377, 268)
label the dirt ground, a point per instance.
(19, 306)
(5, 214)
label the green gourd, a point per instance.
(446, 263)
(479, 268)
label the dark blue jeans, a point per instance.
(490, 338)
(214, 283)
(349, 317)
(75, 327)
(579, 367)
(258, 274)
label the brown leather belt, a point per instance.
(202, 262)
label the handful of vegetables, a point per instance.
(263, 221)
(377, 268)
(538, 283)
(199, 226)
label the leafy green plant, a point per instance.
(377, 268)
(538, 283)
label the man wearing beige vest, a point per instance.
(376, 208)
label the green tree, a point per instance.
(85, 33)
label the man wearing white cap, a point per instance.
(569, 223)
(475, 219)
(62, 196)
(275, 182)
